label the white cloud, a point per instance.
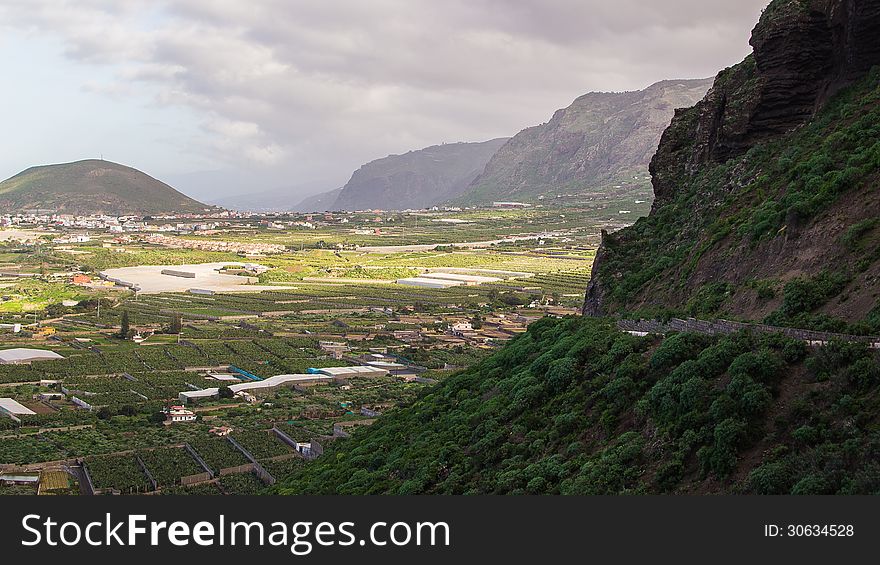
(314, 89)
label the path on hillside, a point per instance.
(726, 327)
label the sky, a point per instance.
(230, 97)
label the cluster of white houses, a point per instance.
(265, 386)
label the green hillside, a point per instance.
(92, 186)
(577, 407)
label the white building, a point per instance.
(425, 282)
(24, 355)
(181, 414)
(11, 407)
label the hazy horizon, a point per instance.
(220, 100)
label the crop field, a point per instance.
(218, 453)
(119, 472)
(327, 298)
(168, 465)
(261, 444)
(241, 484)
(204, 489)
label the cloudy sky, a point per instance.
(235, 96)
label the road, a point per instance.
(725, 327)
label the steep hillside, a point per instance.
(90, 187)
(416, 179)
(600, 141)
(766, 191)
(577, 407)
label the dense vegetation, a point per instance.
(577, 407)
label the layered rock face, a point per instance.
(804, 53)
(417, 179)
(601, 140)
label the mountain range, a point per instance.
(416, 179)
(602, 139)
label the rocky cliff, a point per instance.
(601, 140)
(767, 181)
(417, 179)
(805, 51)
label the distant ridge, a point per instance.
(92, 186)
(601, 140)
(416, 179)
(323, 202)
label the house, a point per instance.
(180, 414)
(221, 431)
(80, 278)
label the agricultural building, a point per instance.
(425, 282)
(196, 395)
(11, 407)
(257, 387)
(175, 273)
(24, 355)
(386, 365)
(202, 291)
(349, 372)
(224, 377)
(272, 383)
(19, 479)
(468, 280)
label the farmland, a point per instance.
(327, 300)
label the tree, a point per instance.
(226, 392)
(477, 321)
(125, 325)
(157, 417)
(176, 324)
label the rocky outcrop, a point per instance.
(804, 53)
(417, 179)
(595, 291)
(601, 140)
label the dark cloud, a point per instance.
(312, 89)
